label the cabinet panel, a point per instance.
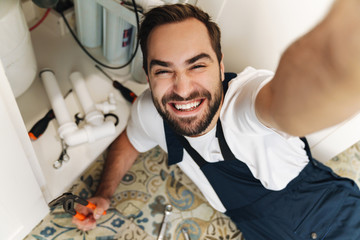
(22, 202)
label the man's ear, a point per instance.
(222, 68)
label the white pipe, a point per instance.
(68, 129)
(85, 99)
(107, 106)
(57, 103)
(90, 133)
(92, 115)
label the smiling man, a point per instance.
(185, 76)
(236, 136)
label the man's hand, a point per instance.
(102, 204)
(120, 158)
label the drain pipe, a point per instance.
(67, 126)
(95, 129)
(92, 115)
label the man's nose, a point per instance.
(183, 85)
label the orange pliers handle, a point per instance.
(82, 217)
(68, 200)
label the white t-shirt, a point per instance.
(273, 158)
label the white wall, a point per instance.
(256, 32)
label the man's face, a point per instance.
(185, 76)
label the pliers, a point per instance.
(68, 200)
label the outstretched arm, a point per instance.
(120, 158)
(317, 83)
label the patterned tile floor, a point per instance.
(138, 204)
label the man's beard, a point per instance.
(191, 126)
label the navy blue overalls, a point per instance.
(317, 204)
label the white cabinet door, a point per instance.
(22, 204)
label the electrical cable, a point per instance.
(92, 57)
(41, 20)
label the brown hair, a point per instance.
(177, 13)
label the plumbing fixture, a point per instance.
(107, 106)
(92, 115)
(95, 128)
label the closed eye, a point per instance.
(161, 72)
(198, 66)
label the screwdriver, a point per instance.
(127, 93)
(40, 126)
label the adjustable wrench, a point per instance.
(167, 212)
(185, 234)
(68, 200)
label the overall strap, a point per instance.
(307, 148)
(174, 146)
(228, 77)
(224, 147)
(200, 161)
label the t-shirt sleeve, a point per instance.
(240, 98)
(241, 101)
(144, 121)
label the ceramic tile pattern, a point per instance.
(138, 204)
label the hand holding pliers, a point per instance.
(68, 200)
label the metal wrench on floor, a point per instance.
(167, 213)
(185, 234)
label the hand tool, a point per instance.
(64, 157)
(68, 200)
(167, 212)
(125, 92)
(185, 233)
(40, 126)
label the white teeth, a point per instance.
(188, 106)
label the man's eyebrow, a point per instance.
(189, 61)
(159, 62)
(197, 57)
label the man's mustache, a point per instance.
(175, 97)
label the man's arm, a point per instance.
(317, 83)
(121, 157)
